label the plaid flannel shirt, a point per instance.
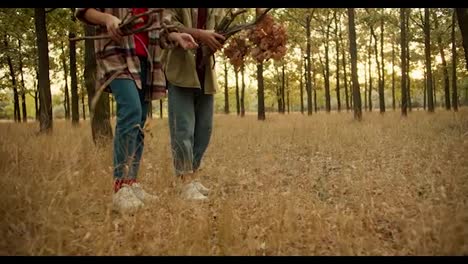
(112, 57)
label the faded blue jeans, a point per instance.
(131, 117)
(190, 126)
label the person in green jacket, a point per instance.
(191, 87)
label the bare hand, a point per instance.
(184, 40)
(211, 39)
(112, 25)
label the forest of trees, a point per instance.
(295, 60)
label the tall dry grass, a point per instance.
(293, 185)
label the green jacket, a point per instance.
(179, 64)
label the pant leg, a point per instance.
(181, 125)
(203, 126)
(140, 140)
(127, 127)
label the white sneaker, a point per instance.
(141, 194)
(202, 189)
(125, 200)
(191, 192)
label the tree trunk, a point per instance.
(408, 62)
(425, 90)
(454, 66)
(150, 109)
(100, 117)
(278, 98)
(301, 85)
(242, 99)
(307, 65)
(260, 92)
(427, 52)
(393, 76)
(36, 95)
(327, 71)
(75, 113)
(23, 87)
(287, 94)
(434, 90)
(112, 106)
(283, 83)
(237, 92)
(354, 74)
(45, 117)
(382, 79)
(226, 90)
(462, 17)
(343, 53)
(444, 64)
(337, 46)
(369, 96)
(379, 73)
(16, 107)
(66, 101)
(161, 114)
(366, 67)
(314, 90)
(403, 62)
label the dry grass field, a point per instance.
(293, 185)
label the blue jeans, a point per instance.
(190, 126)
(131, 117)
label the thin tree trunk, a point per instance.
(366, 70)
(112, 106)
(354, 74)
(408, 63)
(444, 64)
(403, 62)
(287, 94)
(337, 44)
(343, 53)
(308, 65)
(75, 113)
(161, 114)
(242, 99)
(427, 52)
(83, 104)
(425, 90)
(16, 107)
(301, 86)
(261, 92)
(150, 109)
(66, 101)
(36, 95)
(226, 90)
(369, 96)
(45, 118)
(454, 66)
(393, 76)
(236, 73)
(327, 71)
(23, 87)
(382, 80)
(283, 83)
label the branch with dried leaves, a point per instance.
(224, 28)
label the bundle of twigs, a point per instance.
(127, 26)
(224, 28)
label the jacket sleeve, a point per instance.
(79, 14)
(169, 18)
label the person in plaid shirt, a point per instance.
(132, 67)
